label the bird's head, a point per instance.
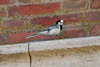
(60, 22)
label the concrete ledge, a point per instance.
(50, 45)
(65, 43)
(14, 48)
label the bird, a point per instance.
(54, 29)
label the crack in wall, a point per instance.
(30, 58)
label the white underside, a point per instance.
(51, 32)
(54, 32)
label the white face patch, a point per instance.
(62, 21)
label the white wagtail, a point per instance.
(51, 30)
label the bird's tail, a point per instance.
(32, 35)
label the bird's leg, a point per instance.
(62, 36)
(53, 37)
(57, 36)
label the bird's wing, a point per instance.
(46, 30)
(52, 27)
(32, 35)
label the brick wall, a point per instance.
(19, 18)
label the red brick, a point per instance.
(96, 4)
(14, 22)
(2, 13)
(16, 38)
(96, 30)
(93, 16)
(5, 1)
(21, 37)
(33, 9)
(46, 21)
(41, 37)
(75, 5)
(75, 33)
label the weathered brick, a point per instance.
(95, 4)
(33, 9)
(21, 37)
(93, 16)
(14, 22)
(95, 30)
(17, 38)
(46, 21)
(75, 5)
(40, 37)
(2, 13)
(30, 1)
(5, 1)
(75, 33)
